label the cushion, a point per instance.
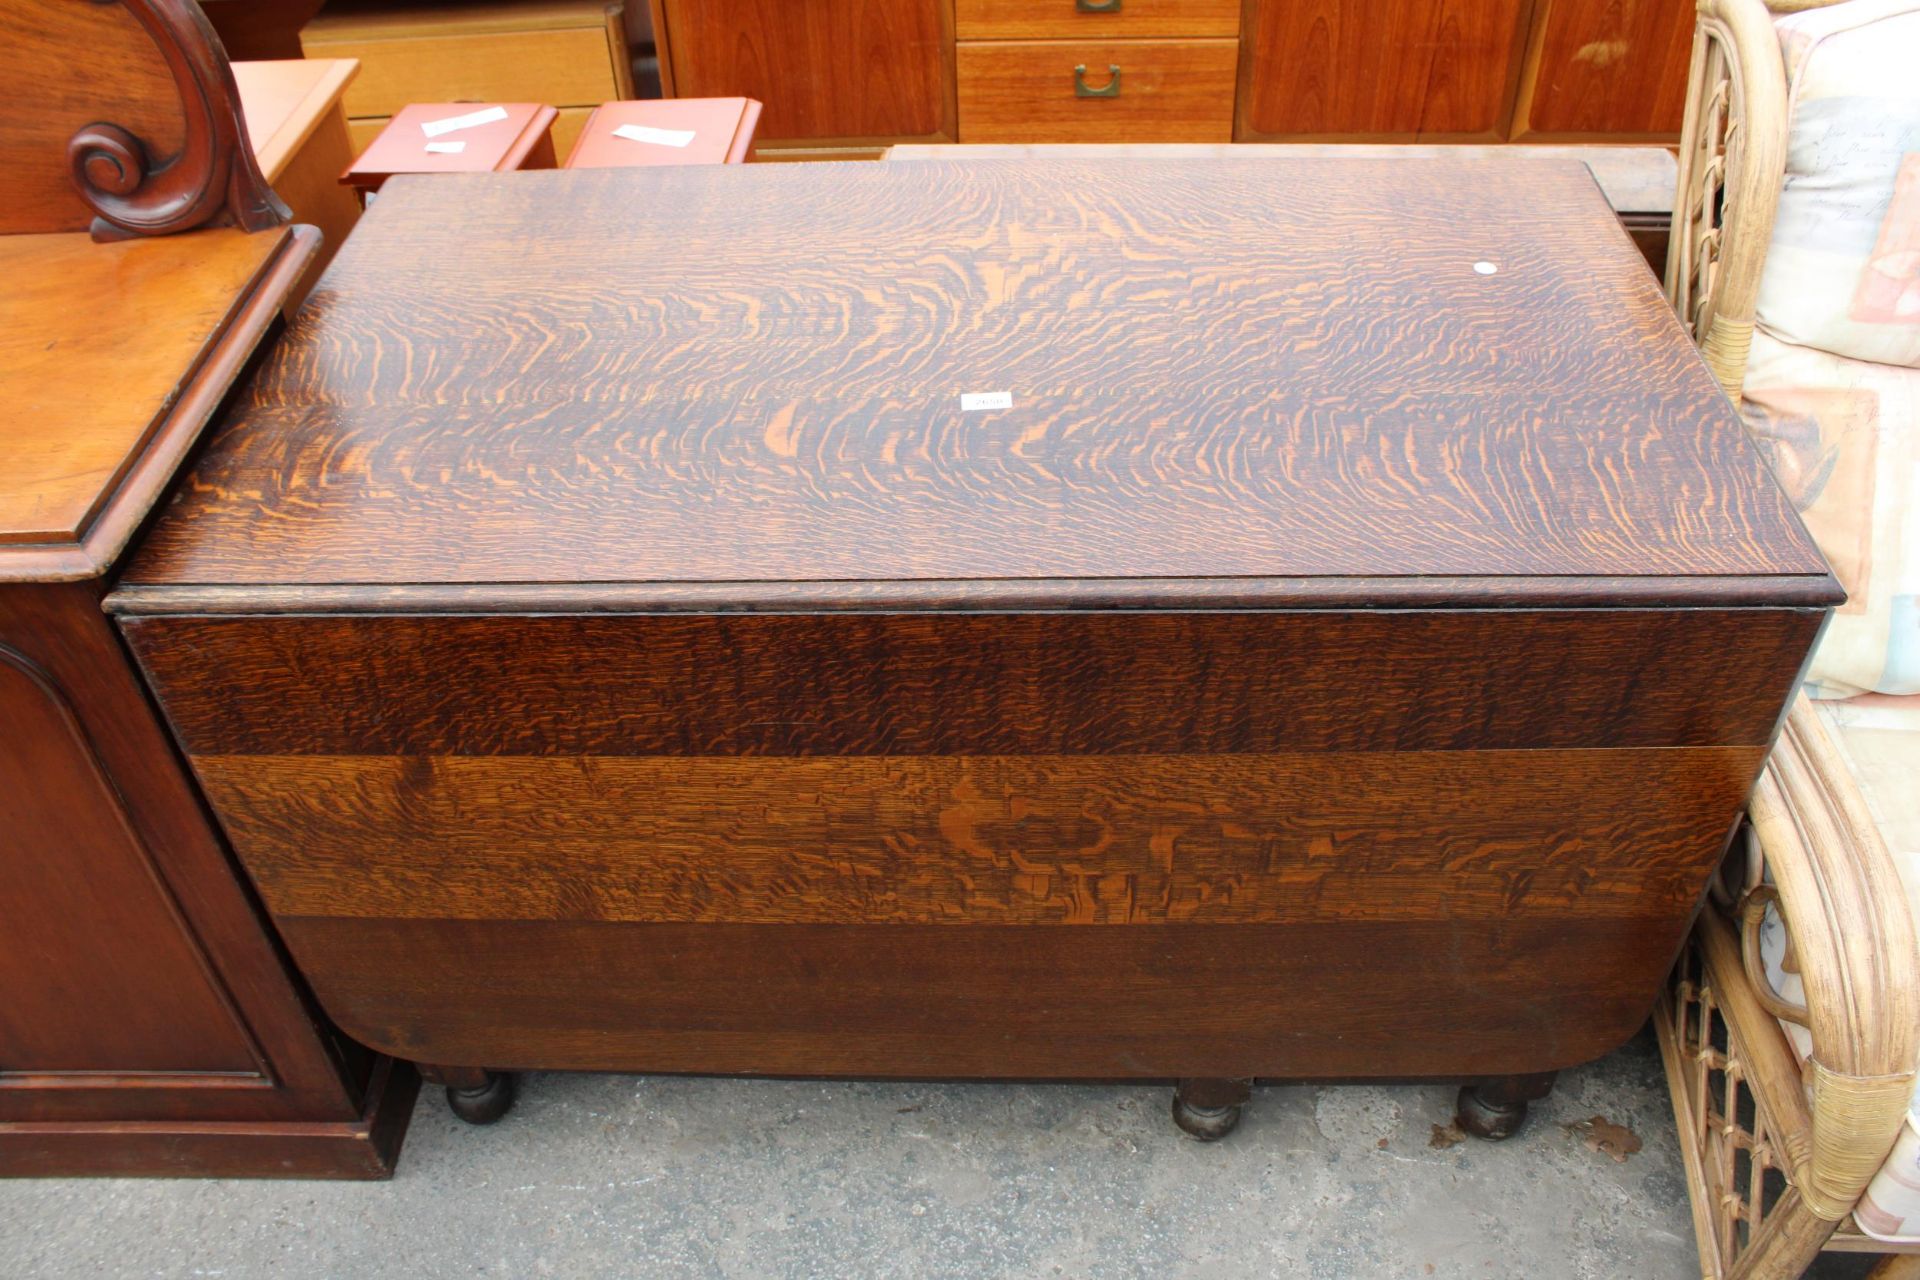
(1843, 437)
(1879, 737)
(1843, 272)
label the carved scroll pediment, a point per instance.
(135, 112)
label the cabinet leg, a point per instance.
(1209, 1108)
(476, 1095)
(1495, 1109)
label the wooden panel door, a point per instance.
(827, 70)
(1613, 69)
(1379, 69)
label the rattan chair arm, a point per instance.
(1753, 912)
(1846, 910)
(1721, 238)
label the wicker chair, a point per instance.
(1778, 1154)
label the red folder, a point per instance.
(656, 132)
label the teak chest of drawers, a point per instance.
(1343, 652)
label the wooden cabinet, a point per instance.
(149, 1021)
(1380, 68)
(1304, 666)
(1606, 68)
(1003, 71)
(1097, 90)
(829, 71)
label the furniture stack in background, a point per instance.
(568, 54)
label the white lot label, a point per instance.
(986, 400)
(473, 119)
(659, 137)
(447, 148)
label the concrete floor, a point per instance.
(663, 1177)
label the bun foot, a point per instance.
(485, 1103)
(1210, 1109)
(1496, 1109)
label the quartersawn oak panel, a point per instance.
(1212, 369)
(1417, 68)
(953, 684)
(983, 841)
(1349, 1000)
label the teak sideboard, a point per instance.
(1195, 620)
(847, 74)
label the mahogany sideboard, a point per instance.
(1197, 620)
(848, 75)
(149, 1020)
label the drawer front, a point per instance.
(567, 67)
(1082, 20)
(1163, 91)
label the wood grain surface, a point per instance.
(856, 69)
(1170, 90)
(1606, 67)
(1355, 999)
(1406, 68)
(982, 841)
(1065, 20)
(1218, 369)
(86, 386)
(995, 684)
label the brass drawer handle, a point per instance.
(1082, 90)
(1088, 6)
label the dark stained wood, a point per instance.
(365, 1148)
(1217, 371)
(165, 1014)
(985, 840)
(1353, 999)
(1403, 68)
(146, 138)
(115, 906)
(149, 1020)
(1606, 67)
(1336, 661)
(844, 70)
(1099, 683)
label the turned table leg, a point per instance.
(1209, 1108)
(476, 1095)
(1496, 1108)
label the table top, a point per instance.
(112, 357)
(285, 101)
(1636, 180)
(1256, 382)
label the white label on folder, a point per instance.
(659, 137)
(986, 400)
(447, 148)
(434, 128)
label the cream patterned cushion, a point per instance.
(1843, 437)
(1843, 272)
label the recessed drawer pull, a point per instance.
(1110, 90)
(1088, 6)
